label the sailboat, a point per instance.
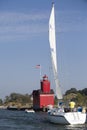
(58, 115)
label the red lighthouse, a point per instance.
(44, 96)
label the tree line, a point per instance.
(79, 96)
(17, 99)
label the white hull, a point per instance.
(67, 118)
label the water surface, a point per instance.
(20, 120)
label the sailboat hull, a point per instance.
(67, 118)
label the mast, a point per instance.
(52, 41)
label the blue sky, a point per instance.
(24, 44)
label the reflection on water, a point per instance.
(76, 127)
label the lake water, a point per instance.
(20, 120)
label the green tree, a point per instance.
(1, 102)
(72, 90)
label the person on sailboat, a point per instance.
(79, 108)
(72, 105)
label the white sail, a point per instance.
(52, 41)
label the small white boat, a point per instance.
(58, 115)
(29, 111)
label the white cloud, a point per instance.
(12, 18)
(72, 21)
(19, 25)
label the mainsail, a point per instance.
(52, 41)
